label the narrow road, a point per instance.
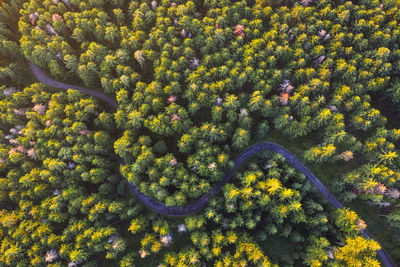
(199, 204)
(41, 76)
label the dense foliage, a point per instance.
(196, 83)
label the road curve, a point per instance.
(41, 76)
(199, 204)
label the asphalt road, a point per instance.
(41, 76)
(202, 202)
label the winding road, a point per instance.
(161, 208)
(41, 76)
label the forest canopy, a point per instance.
(198, 82)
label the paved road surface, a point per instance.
(41, 76)
(161, 208)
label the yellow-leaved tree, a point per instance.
(358, 252)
